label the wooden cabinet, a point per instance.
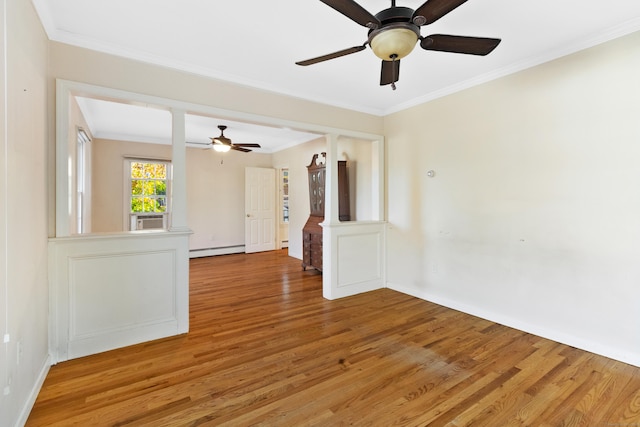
(312, 231)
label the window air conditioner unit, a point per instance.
(149, 222)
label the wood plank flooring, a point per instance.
(266, 349)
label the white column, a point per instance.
(4, 248)
(64, 166)
(377, 180)
(331, 214)
(329, 257)
(179, 173)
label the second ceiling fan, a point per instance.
(222, 143)
(394, 32)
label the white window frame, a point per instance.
(130, 218)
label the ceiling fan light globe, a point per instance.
(393, 43)
(221, 148)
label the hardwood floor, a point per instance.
(266, 349)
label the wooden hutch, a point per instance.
(312, 231)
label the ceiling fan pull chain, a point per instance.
(394, 57)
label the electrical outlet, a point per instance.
(6, 338)
(19, 352)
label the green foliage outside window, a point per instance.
(148, 187)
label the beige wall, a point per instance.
(215, 196)
(532, 216)
(358, 154)
(23, 197)
(108, 179)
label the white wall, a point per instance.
(532, 218)
(23, 268)
(215, 196)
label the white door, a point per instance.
(260, 209)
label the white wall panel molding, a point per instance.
(110, 291)
(354, 262)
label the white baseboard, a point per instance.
(590, 346)
(226, 250)
(33, 395)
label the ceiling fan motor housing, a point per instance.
(397, 36)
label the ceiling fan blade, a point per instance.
(459, 44)
(244, 150)
(247, 145)
(202, 145)
(332, 55)
(390, 72)
(432, 10)
(354, 11)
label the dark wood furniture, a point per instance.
(312, 231)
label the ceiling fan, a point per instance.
(223, 144)
(394, 32)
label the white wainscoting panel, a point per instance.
(354, 261)
(110, 291)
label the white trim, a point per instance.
(67, 87)
(33, 394)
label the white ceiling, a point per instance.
(257, 42)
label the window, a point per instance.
(285, 195)
(148, 193)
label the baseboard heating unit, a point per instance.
(224, 250)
